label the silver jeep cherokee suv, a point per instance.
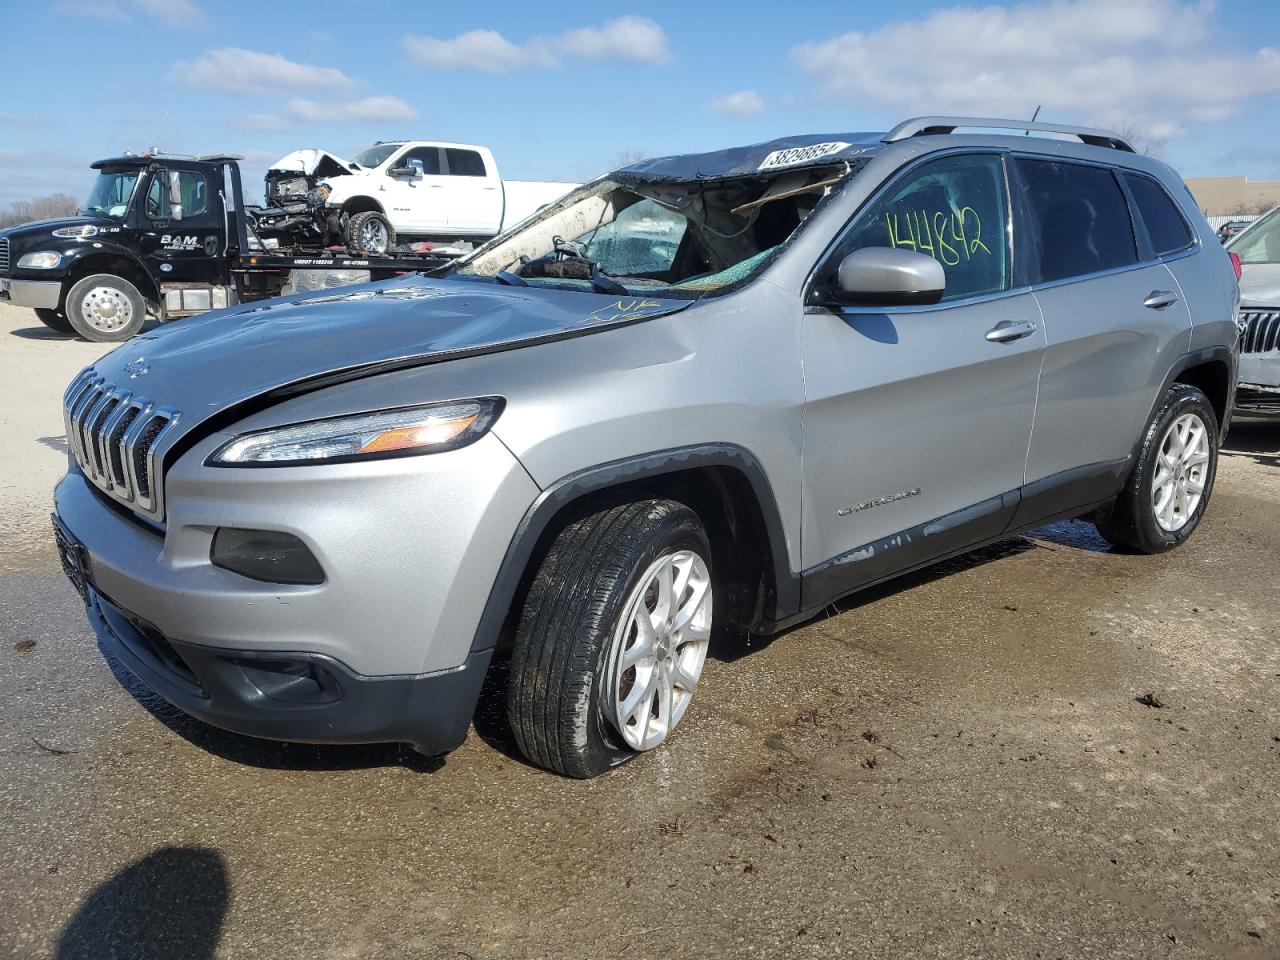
(714, 389)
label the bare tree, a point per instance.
(41, 208)
(624, 158)
(1139, 136)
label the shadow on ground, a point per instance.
(1258, 440)
(41, 333)
(171, 903)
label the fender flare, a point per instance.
(1219, 352)
(75, 257)
(599, 478)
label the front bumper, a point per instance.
(410, 548)
(38, 294)
(300, 697)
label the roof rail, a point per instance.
(927, 126)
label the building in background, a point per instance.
(1222, 196)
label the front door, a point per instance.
(418, 204)
(182, 226)
(917, 419)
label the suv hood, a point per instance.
(205, 364)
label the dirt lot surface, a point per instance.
(962, 765)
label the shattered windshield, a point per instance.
(111, 192)
(373, 156)
(678, 238)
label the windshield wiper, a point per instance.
(510, 279)
(603, 283)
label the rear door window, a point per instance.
(953, 209)
(1169, 233)
(464, 163)
(1078, 219)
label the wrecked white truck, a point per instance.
(400, 190)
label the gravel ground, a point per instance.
(1042, 749)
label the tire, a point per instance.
(574, 638)
(370, 233)
(1144, 522)
(105, 308)
(54, 320)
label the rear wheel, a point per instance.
(103, 308)
(1168, 490)
(370, 232)
(612, 638)
(54, 320)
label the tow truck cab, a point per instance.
(153, 238)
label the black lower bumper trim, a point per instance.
(301, 697)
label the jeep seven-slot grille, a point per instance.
(114, 437)
(1259, 330)
(4, 254)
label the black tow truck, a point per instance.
(170, 236)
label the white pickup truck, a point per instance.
(421, 189)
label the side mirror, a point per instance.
(175, 196)
(408, 173)
(885, 276)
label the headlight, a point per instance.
(76, 233)
(44, 260)
(388, 433)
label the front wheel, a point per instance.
(612, 638)
(1167, 492)
(104, 308)
(370, 232)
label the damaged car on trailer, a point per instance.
(674, 397)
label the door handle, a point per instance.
(1159, 299)
(1006, 331)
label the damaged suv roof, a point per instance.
(807, 150)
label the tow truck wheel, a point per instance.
(54, 320)
(370, 232)
(104, 308)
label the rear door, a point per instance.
(182, 226)
(917, 419)
(1115, 322)
(475, 192)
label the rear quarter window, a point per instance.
(1167, 229)
(1078, 219)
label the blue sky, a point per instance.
(564, 90)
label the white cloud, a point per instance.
(378, 109)
(743, 103)
(176, 13)
(626, 38)
(367, 109)
(236, 70)
(1080, 59)
(485, 50)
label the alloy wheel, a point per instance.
(659, 649)
(106, 309)
(1182, 469)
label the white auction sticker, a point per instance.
(794, 155)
